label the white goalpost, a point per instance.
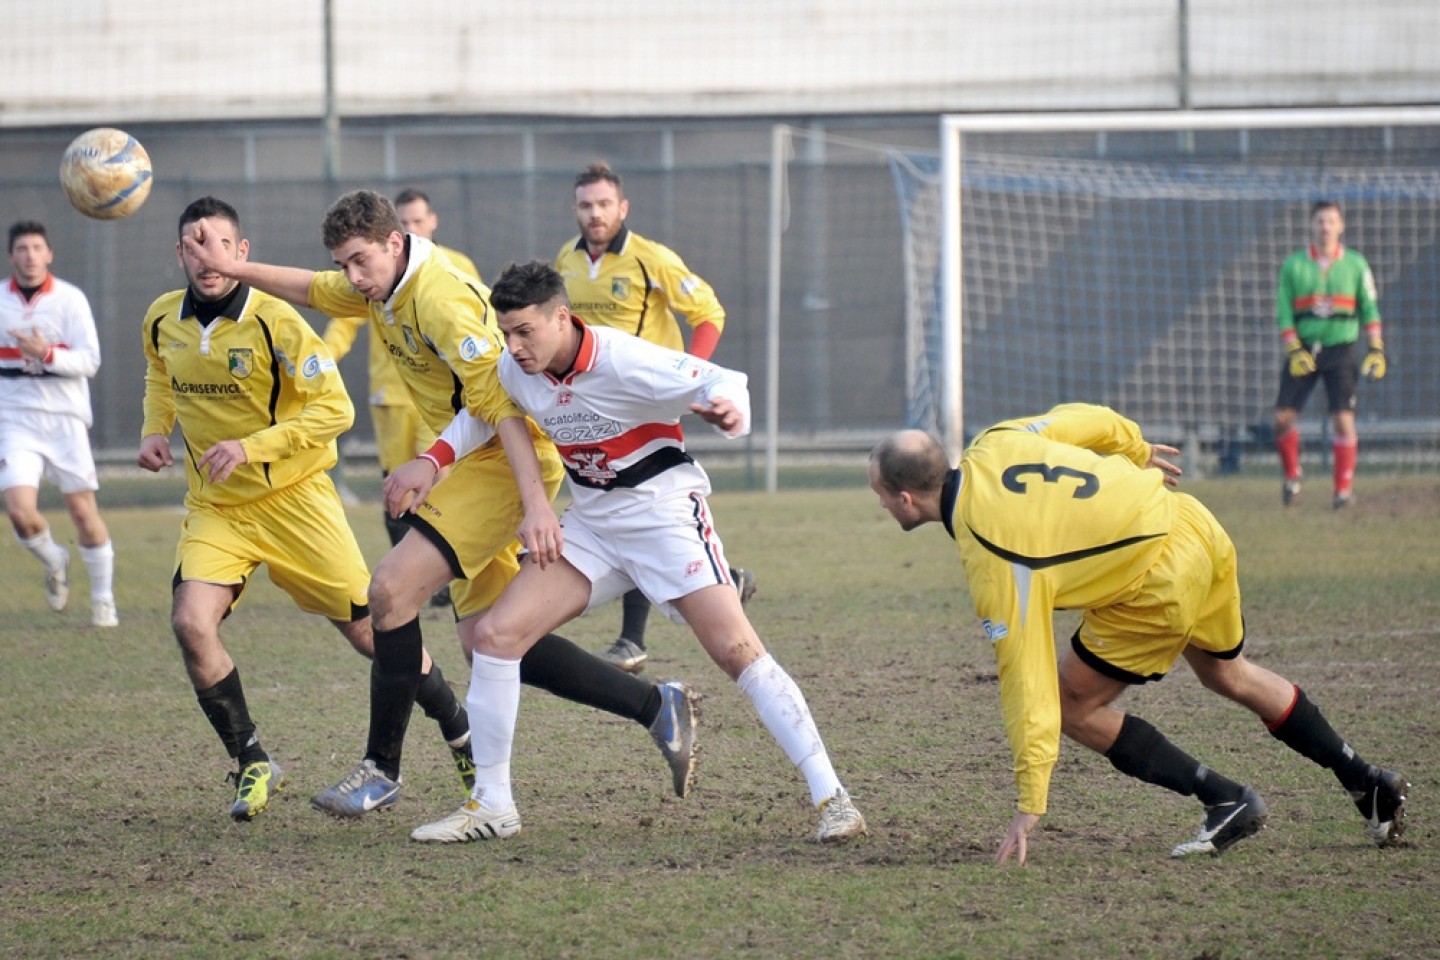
(1130, 258)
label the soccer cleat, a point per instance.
(1290, 492)
(1225, 825)
(57, 583)
(473, 821)
(364, 788)
(674, 732)
(744, 583)
(1343, 499)
(1382, 804)
(840, 820)
(625, 654)
(102, 612)
(255, 784)
(464, 762)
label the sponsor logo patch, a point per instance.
(311, 368)
(994, 631)
(470, 348)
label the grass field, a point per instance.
(116, 842)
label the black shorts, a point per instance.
(1338, 366)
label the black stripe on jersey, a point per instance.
(644, 295)
(1040, 563)
(274, 384)
(155, 333)
(637, 473)
(20, 372)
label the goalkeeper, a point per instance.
(1326, 294)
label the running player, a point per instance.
(259, 403)
(617, 278)
(1070, 510)
(1326, 293)
(612, 403)
(48, 353)
(433, 321)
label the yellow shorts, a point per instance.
(400, 435)
(1190, 597)
(472, 516)
(300, 533)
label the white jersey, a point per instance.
(60, 383)
(615, 418)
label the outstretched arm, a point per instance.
(287, 283)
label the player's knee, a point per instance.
(190, 627)
(490, 638)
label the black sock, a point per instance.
(224, 706)
(439, 703)
(636, 608)
(1305, 730)
(394, 680)
(557, 666)
(1142, 752)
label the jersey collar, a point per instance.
(949, 493)
(585, 357)
(46, 285)
(417, 250)
(239, 299)
(1315, 253)
(617, 243)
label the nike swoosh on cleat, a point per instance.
(1208, 835)
(673, 741)
(370, 804)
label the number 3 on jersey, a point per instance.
(1016, 477)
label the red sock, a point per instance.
(1344, 452)
(1288, 444)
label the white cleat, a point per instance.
(57, 584)
(471, 822)
(840, 820)
(103, 613)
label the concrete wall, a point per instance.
(112, 61)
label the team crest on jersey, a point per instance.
(693, 567)
(1323, 307)
(563, 398)
(995, 631)
(591, 467)
(242, 362)
(620, 288)
(411, 343)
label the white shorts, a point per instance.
(669, 552)
(52, 446)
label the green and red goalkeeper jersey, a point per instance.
(1326, 306)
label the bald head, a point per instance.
(907, 470)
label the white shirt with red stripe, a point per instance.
(61, 382)
(615, 419)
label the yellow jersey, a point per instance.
(637, 286)
(438, 330)
(386, 387)
(262, 377)
(1051, 512)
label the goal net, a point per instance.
(1131, 260)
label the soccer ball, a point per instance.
(106, 173)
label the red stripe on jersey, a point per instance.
(618, 448)
(15, 353)
(1337, 302)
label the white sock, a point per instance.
(493, 704)
(50, 553)
(100, 563)
(783, 710)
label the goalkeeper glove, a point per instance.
(1373, 366)
(1302, 361)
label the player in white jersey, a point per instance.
(612, 403)
(48, 353)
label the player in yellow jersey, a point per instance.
(435, 325)
(616, 278)
(1070, 510)
(259, 404)
(400, 431)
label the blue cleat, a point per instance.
(364, 789)
(674, 732)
